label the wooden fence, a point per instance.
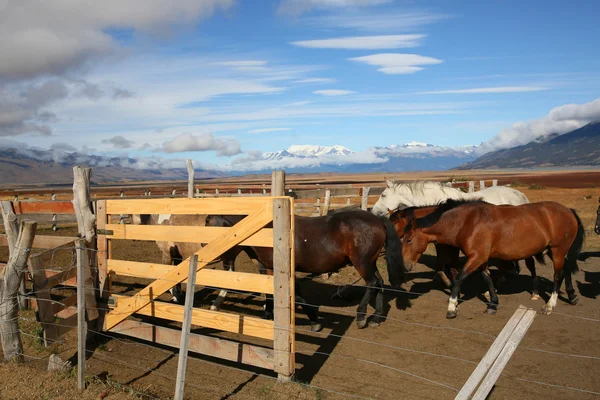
(260, 211)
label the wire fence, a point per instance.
(394, 320)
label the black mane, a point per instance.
(434, 217)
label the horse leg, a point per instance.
(471, 265)
(374, 283)
(311, 311)
(558, 259)
(228, 263)
(573, 298)
(492, 306)
(447, 257)
(535, 293)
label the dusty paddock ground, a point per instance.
(399, 359)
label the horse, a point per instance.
(328, 243)
(482, 231)
(401, 195)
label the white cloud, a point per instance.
(559, 120)
(53, 37)
(202, 142)
(333, 92)
(268, 130)
(119, 142)
(393, 21)
(395, 63)
(363, 42)
(498, 89)
(298, 7)
(246, 65)
(315, 80)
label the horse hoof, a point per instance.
(361, 324)
(546, 311)
(316, 327)
(374, 324)
(487, 296)
(451, 314)
(535, 297)
(574, 300)
(491, 311)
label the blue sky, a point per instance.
(231, 77)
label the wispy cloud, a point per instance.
(333, 92)
(119, 142)
(315, 80)
(498, 89)
(391, 21)
(202, 142)
(364, 42)
(245, 65)
(395, 63)
(559, 120)
(268, 130)
(299, 7)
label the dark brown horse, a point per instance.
(328, 243)
(483, 231)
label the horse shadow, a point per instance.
(587, 254)
(591, 287)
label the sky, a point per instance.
(219, 81)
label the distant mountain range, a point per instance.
(580, 147)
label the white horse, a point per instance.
(401, 195)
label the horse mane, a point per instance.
(434, 217)
(418, 187)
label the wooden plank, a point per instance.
(66, 325)
(43, 207)
(231, 280)
(278, 183)
(43, 242)
(508, 350)
(188, 234)
(71, 278)
(234, 323)
(490, 356)
(185, 328)
(282, 272)
(45, 307)
(49, 255)
(364, 204)
(227, 206)
(213, 347)
(327, 202)
(240, 232)
(82, 265)
(64, 304)
(61, 277)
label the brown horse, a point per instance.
(483, 231)
(328, 243)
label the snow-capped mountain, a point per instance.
(307, 150)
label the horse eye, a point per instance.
(382, 195)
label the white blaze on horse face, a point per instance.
(452, 302)
(163, 217)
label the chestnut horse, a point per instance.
(483, 231)
(328, 243)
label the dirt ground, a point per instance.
(416, 353)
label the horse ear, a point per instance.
(389, 183)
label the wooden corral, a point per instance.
(261, 212)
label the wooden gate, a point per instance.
(260, 212)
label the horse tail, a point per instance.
(540, 258)
(393, 254)
(576, 246)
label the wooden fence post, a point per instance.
(86, 223)
(82, 266)
(364, 204)
(185, 328)
(11, 227)
(10, 279)
(54, 227)
(494, 182)
(278, 183)
(481, 185)
(283, 275)
(471, 186)
(327, 202)
(190, 170)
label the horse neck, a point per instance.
(445, 230)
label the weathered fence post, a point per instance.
(239, 191)
(471, 186)
(54, 227)
(364, 204)
(283, 274)
(327, 202)
(190, 170)
(278, 183)
(185, 328)
(481, 185)
(10, 279)
(82, 267)
(86, 223)
(494, 182)
(11, 227)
